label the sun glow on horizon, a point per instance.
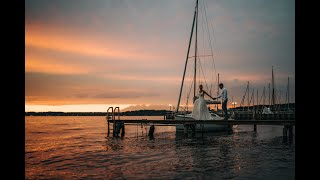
(74, 108)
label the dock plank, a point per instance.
(230, 122)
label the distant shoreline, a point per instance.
(139, 112)
(127, 113)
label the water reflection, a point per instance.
(114, 143)
(60, 152)
(208, 154)
(198, 155)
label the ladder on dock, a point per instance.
(113, 118)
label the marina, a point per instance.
(160, 90)
(285, 120)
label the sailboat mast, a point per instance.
(218, 85)
(273, 95)
(264, 96)
(269, 93)
(257, 98)
(288, 96)
(185, 66)
(195, 55)
(248, 97)
(217, 92)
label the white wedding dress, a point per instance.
(200, 109)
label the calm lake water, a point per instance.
(77, 147)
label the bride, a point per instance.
(200, 109)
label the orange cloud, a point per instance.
(42, 37)
(98, 55)
(141, 77)
(52, 65)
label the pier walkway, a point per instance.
(286, 121)
(287, 124)
(229, 122)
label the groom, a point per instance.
(224, 95)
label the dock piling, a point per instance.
(151, 132)
(122, 131)
(285, 133)
(185, 129)
(290, 128)
(119, 127)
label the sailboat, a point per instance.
(186, 115)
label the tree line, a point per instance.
(127, 113)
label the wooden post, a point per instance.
(108, 124)
(122, 130)
(254, 118)
(285, 130)
(193, 129)
(119, 127)
(151, 132)
(185, 130)
(202, 129)
(290, 133)
(285, 133)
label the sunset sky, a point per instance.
(88, 55)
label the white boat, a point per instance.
(197, 57)
(267, 110)
(203, 127)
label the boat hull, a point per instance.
(202, 127)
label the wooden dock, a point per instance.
(229, 122)
(120, 124)
(286, 120)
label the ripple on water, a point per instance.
(85, 153)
